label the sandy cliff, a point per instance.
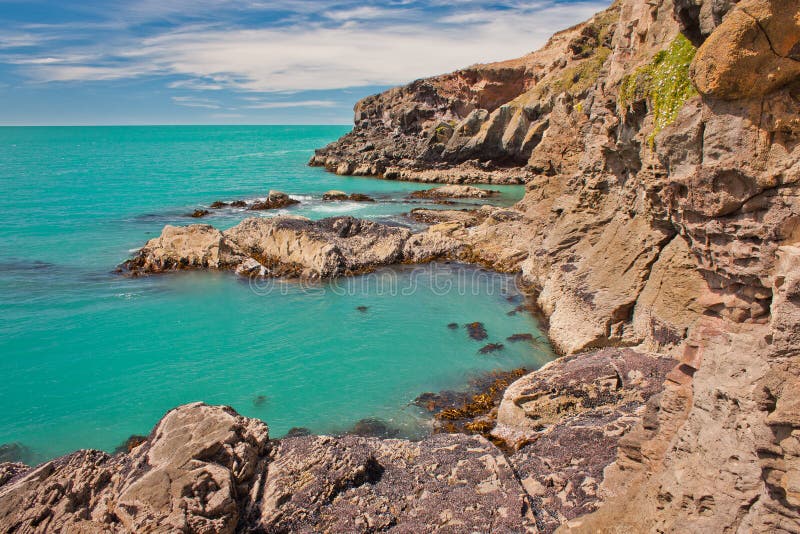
(660, 147)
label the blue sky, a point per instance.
(246, 61)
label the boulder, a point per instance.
(194, 473)
(453, 191)
(198, 246)
(334, 195)
(754, 51)
(274, 200)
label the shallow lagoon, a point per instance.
(89, 358)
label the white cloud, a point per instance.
(195, 102)
(294, 104)
(318, 57)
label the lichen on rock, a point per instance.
(664, 83)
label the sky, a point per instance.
(65, 62)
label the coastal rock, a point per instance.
(428, 216)
(334, 195)
(341, 195)
(192, 474)
(319, 249)
(274, 200)
(207, 469)
(352, 484)
(754, 51)
(565, 422)
(198, 246)
(279, 246)
(654, 217)
(199, 213)
(453, 191)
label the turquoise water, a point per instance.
(88, 358)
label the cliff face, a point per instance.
(659, 144)
(660, 147)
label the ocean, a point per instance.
(88, 357)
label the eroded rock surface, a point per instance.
(193, 474)
(453, 191)
(279, 246)
(660, 147)
(659, 143)
(207, 469)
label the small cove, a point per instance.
(91, 357)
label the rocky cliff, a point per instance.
(660, 147)
(659, 144)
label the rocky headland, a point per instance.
(660, 236)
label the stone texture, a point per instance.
(754, 51)
(279, 246)
(453, 191)
(193, 474)
(198, 246)
(674, 235)
(207, 469)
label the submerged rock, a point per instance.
(472, 410)
(11, 470)
(341, 195)
(297, 431)
(15, 453)
(371, 427)
(360, 197)
(452, 326)
(491, 347)
(520, 337)
(477, 331)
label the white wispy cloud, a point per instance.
(293, 104)
(195, 102)
(361, 49)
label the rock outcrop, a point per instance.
(279, 246)
(274, 200)
(660, 147)
(296, 247)
(453, 191)
(207, 469)
(659, 143)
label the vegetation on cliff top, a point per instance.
(664, 83)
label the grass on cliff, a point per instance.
(664, 83)
(582, 76)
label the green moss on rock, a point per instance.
(583, 76)
(664, 83)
